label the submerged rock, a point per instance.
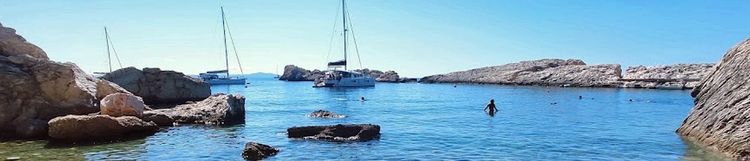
(218, 109)
(258, 151)
(325, 114)
(122, 104)
(340, 132)
(548, 72)
(35, 89)
(722, 103)
(678, 76)
(98, 127)
(158, 86)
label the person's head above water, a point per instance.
(492, 100)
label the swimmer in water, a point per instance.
(491, 107)
(362, 98)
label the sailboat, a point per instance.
(212, 77)
(334, 76)
(110, 50)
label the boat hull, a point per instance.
(230, 81)
(347, 82)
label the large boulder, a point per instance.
(677, 76)
(98, 127)
(35, 89)
(122, 104)
(258, 151)
(340, 132)
(218, 109)
(548, 72)
(720, 117)
(158, 86)
(295, 73)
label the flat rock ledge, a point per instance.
(325, 114)
(336, 133)
(576, 73)
(98, 127)
(218, 109)
(720, 118)
(257, 151)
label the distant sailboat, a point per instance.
(334, 77)
(110, 50)
(277, 72)
(212, 77)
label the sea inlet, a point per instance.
(422, 122)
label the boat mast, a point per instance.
(343, 13)
(224, 28)
(109, 56)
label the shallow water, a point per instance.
(424, 122)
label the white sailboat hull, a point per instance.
(225, 81)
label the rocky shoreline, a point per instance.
(44, 99)
(576, 73)
(719, 119)
(295, 73)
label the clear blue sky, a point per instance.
(413, 37)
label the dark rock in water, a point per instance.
(35, 89)
(158, 86)
(325, 114)
(98, 127)
(340, 132)
(547, 72)
(295, 73)
(159, 118)
(722, 102)
(218, 109)
(258, 151)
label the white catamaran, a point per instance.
(213, 77)
(334, 76)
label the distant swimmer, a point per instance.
(580, 97)
(362, 98)
(491, 108)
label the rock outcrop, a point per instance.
(218, 109)
(546, 72)
(160, 119)
(295, 73)
(122, 104)
(35, 89)
(720, 118)
(340, 132)
(98, 127)
(678, 76)
(325, 114)
(158, 86)
(258, 151)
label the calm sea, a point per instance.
(424, 122)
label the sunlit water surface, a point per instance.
(423, 122)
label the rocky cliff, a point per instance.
(35, 89)
(670, 76)
(548, 72)
(295, 73)
(158, 86)
(722, 103)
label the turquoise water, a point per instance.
(433, 122)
